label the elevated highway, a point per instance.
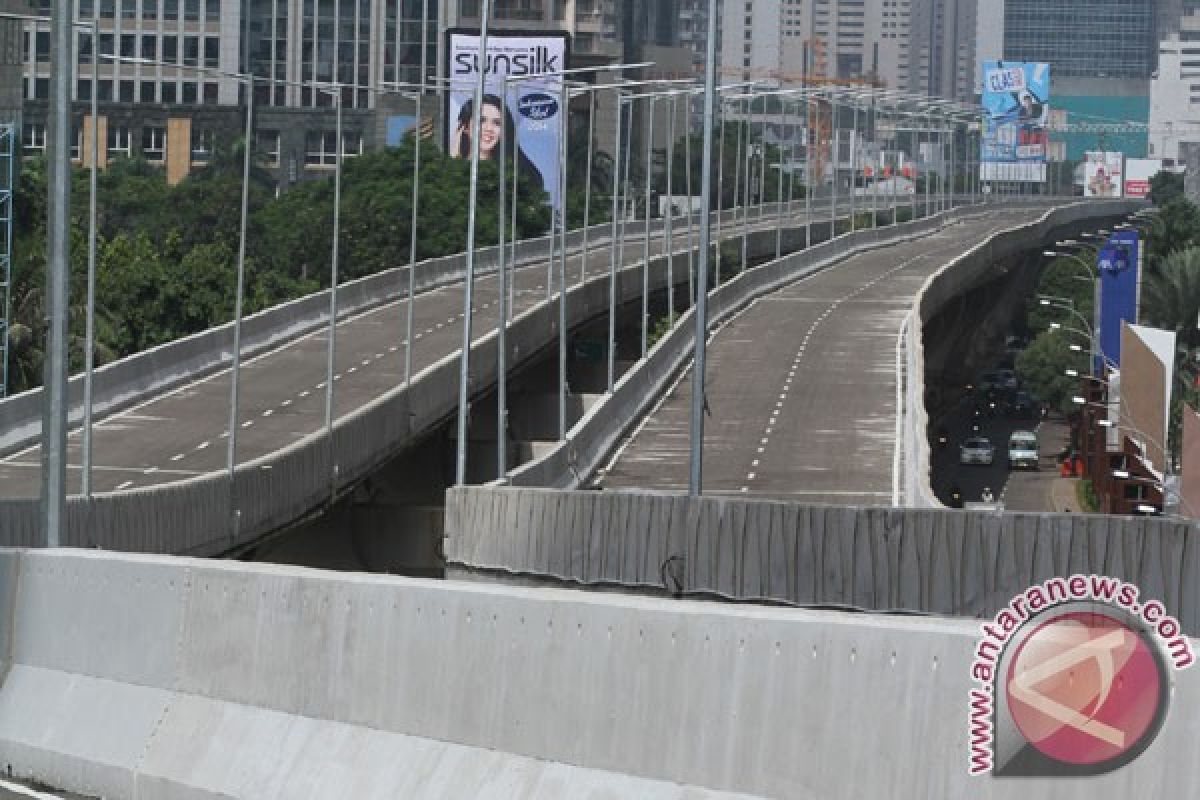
(802, 385)
(159, 458)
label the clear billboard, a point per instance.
(1016, 111)
(523, 121)
(1103, 174)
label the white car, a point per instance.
(976, 450)
(1023, 450)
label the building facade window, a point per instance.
(120, 140)
(266, 143)
(202, 146)
(34, 137)
(154, 142)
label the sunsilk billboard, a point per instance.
(522, 122)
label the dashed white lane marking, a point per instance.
(268, 412)
(124, 485)
(224, 434)
(203, 446)
(394, 348)
(177, 457)
(286, 403)
(350, 371)
(150, 470)
(247, 423)
(750, 477)
(366, 362)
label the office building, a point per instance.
(1175, 89)
(1102, 54)
(161, 103)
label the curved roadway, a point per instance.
(183, 433)
(802, 384)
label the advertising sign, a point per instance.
(524, 122)
(1016, 109)
(1118, 268)
(1138, 172)
(1102, 174)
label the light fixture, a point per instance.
(1122, 474)
(1073, 373)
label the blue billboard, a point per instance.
(1117, 265)
(1016, 112)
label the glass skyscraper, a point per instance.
(1083, 38)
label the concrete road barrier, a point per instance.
(173, 679)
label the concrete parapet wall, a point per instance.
(941, 562)
(950, 282)
(174, 678)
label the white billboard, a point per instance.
(524, 121)
(1138, 172)
(1103, 174)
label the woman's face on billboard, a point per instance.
(492, 131)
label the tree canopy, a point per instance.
(166, 255)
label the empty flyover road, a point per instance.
(802, 383)
(183, 433)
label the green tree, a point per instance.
(1175, 227)
(1165, 187)
(1042, 366)
(1065, 278)
(1171, 296)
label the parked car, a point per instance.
(976, 450)
(1023, 450)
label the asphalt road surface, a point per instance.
(184, 433)
(802, 384)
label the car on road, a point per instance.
(977, 450)
(1023, 450)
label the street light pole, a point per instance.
(416, 196)
(612, 256)
(464, 374)
(58, 261)
(696, 466)
(646, 243)
(333, 291)
(89, 355)
(231, 453)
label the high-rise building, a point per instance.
(1175, 89)
(786, 40)
(1102, 54)
(157, 100)
(1083, 38)
(943, 48)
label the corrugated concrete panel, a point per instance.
(292, 683)
(943, 562)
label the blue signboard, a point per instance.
(1117, 264)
